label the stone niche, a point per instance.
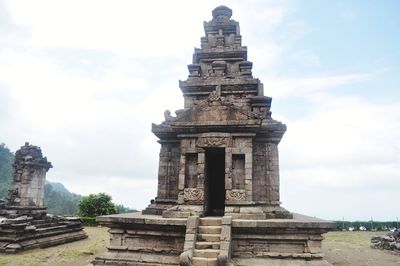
(24, 222)
(218, 178)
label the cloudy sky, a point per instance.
(84, 80)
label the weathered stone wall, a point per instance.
(137, 239)
(168, 172)
(266, 173)
(260, 177)
(191, 170)
(298, 238)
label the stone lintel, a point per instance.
(219, 134)
(167, 141)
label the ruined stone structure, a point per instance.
(218, 178)
(390, 241)
(24, 222)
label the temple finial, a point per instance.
(222, 11)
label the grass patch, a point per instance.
(355, 237)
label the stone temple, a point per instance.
(24, 222)
(218, 179)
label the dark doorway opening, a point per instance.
(215, 181)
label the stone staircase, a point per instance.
(207, 245)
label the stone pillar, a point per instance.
(181, 181)
(248, 179)
(201, 168)
(162, 172)
(244, 194)
(29, 178)
(273, 173)
(228, 168)
(168, 171)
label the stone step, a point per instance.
(210, 221)
(209, 237)
(51, 228)
(206, 245)
(200, 261)
(206, 253)
(45, 225)
(211, 229)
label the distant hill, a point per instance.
(6, 160)
(59, 200)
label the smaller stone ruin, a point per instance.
(24, 222)
(390, 241)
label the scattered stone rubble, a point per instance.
(390, 241)
(24, 222)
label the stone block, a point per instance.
(192, 222)
(226, 220)
(314, 246)
(225, 233)
(251, 210)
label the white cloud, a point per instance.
(307, 86)
(123, 27)
(345, 145)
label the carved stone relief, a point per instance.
(193, 194)
(214, 142)
(236, 195)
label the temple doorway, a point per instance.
(215, 181)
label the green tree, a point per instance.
(6, 160)
(96, 204)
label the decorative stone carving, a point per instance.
(13, 196)
(214, 96)
(222, 11)
(220, 41)
(236, 195)
(194, 70)
(193, 194)
(245, 68)
(218, 68)
(214, 142)
(167, 116)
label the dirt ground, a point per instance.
(353, 249)
(340, 248)
(72, 254)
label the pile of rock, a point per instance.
(391, 241)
